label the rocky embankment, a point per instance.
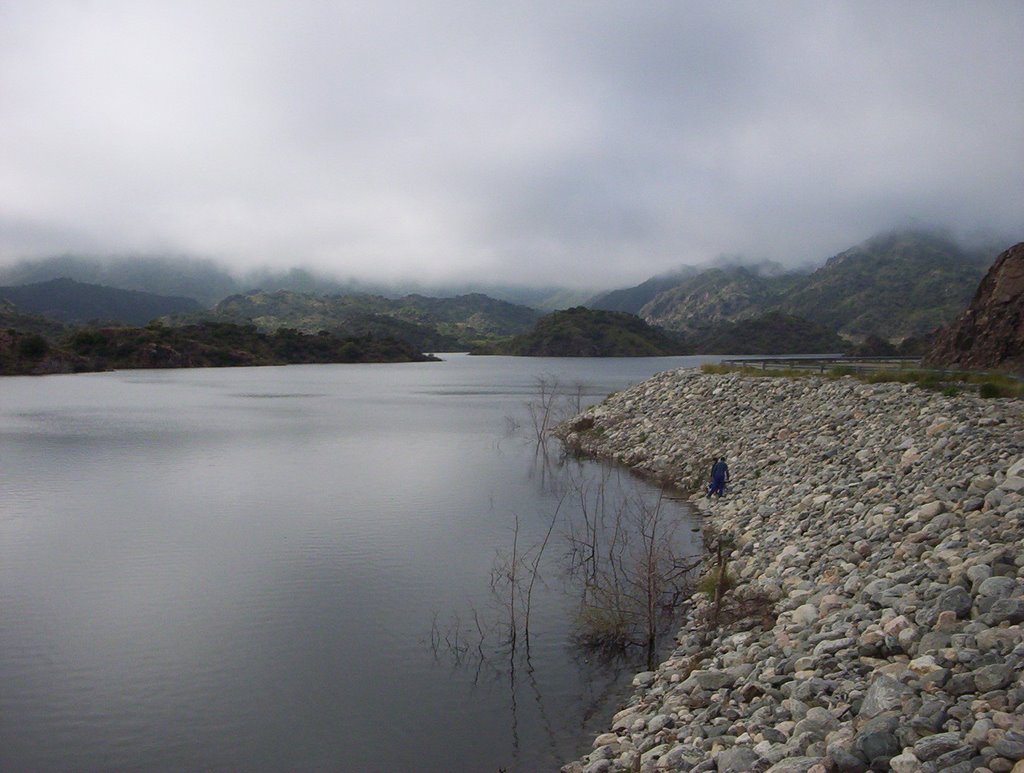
(886, 524)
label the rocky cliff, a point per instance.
(990, 334)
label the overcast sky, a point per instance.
(585, 143)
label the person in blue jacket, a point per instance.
(719, 477)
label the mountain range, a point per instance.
(209, 283)
(71, 302)
(893, 286)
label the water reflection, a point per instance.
(623, 555)
(238, 569)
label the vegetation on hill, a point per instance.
(891, 287)
(423, 338)
(894, 286)
(717, 295)
(466, 317)
(771, 333)
(209, 283)
(430, 324)
(582, 332)
(632, 299)
(202, 280)
(207, 344)
(68, 301)
(13, 319)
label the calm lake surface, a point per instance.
(289, 568)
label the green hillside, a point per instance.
(430, 324)
(632, 299)
(893, 286)
(582, 332)
(770, 333)
(13, 319)
(716, 295)
(71, 302)
(208, 344)
(202, 280)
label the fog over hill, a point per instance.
(68, 301)
(468, 146)
(893, 285)
(209, 281)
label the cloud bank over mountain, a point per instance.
(586, 143)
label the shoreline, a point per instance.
(878, 536)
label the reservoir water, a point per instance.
(297, 568)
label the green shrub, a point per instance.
(708, 584)
(604, 628)
(717, 368)
(33, 346)
(989, 389)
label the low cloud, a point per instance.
(575, 143)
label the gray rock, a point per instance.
(961, 684)
(993, 677)
(930, 717)
(846, 762)
(884, 694)
(955, 599)
(794, 765)
(644, 679)
(1010, 745)
(932, 746)
(954, 757)
(905, 763)
(932, 642)
(876, 742)
(682, 757)
(818, 722)
(1000, 640)
(1005, 611)
(1015, 484)
(961, 767)
(738, 759)
(659, 722)
(1000, 587)
(856, 543)
(709, 680)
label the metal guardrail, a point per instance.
(855, 365)
(821, 364)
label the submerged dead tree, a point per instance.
(630, 560)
